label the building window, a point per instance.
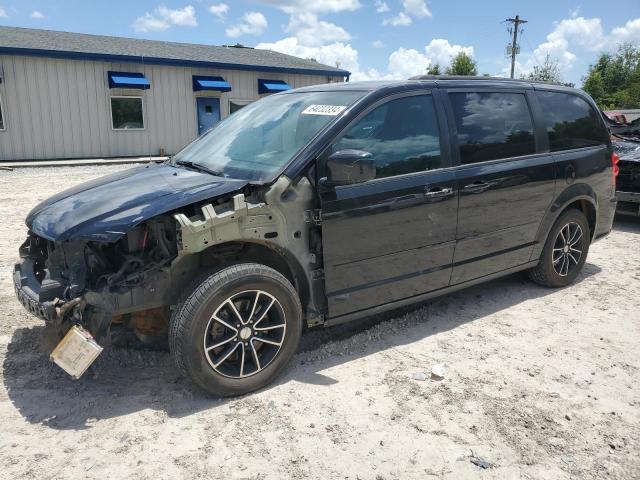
(235, 105)
(126, 113)
(2, 127)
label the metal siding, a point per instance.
(58, 108)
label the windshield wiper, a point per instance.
(198, 166)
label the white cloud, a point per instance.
(335, 53)
(377, 44)
(381, 7)
(574, 12)
(440, 51)
(417, 8)
(37, 15)
(220, 10)
(580, 31)
(405, 63)
(3, 13)
(162, 18)
(412, 8)
(568, 34)
(305, 26)
(314, 6)
(252, 23)
(313, 32)
(573, 36)
(629, 33)
(400, 20)
(408, 62)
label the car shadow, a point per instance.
(124, 381)
(626, 223)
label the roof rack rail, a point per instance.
(478, 77)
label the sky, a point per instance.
(373, 39)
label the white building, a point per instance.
(68, 95)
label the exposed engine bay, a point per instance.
(128, 286)
(81, 279)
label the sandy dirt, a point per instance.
(539, 384)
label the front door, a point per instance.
(392, 237)
(208, 113)
(505, 186)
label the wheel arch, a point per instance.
(579, 196)
(222, 255)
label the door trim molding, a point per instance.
(425, 296)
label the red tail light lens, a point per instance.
(615, 159)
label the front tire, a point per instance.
(565, 251)
(237, 330)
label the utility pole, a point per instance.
(514, 45)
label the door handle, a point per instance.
(477, 186)
(437, 192)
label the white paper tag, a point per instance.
(332, 110)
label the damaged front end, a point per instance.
(93, 284)
(122, 291)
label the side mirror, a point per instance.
(347, 167)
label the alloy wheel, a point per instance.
(245, 334)
(567, 249)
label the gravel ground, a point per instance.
(539, 384)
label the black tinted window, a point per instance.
(492, 126)
(402, 135)
(571, 122)
(126, 112)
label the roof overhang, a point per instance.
(139, 59)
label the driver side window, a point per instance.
(401, 135)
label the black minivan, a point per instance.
(318, 206)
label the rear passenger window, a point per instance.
(492, 126)
(570, 121)
(402, 135)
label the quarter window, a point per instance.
(2, 127)
(126, 113)
(402, 135)
(492, 126)
(570, 121)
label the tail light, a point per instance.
(615, 159)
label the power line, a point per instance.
(533, 50)
(514, 45)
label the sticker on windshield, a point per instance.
(332, 110)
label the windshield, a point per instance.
(258, 141)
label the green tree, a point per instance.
(462, 64)
(434, 69)
(547, 71)
(614, 80)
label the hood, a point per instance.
(107, 208)
(628, 151)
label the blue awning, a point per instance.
(272, 86)
(128, 80)
(218, 84)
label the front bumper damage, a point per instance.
(28, 291)
(89, 286)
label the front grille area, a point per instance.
(629, 177)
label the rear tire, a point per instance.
(237, 330)
(565, 251)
